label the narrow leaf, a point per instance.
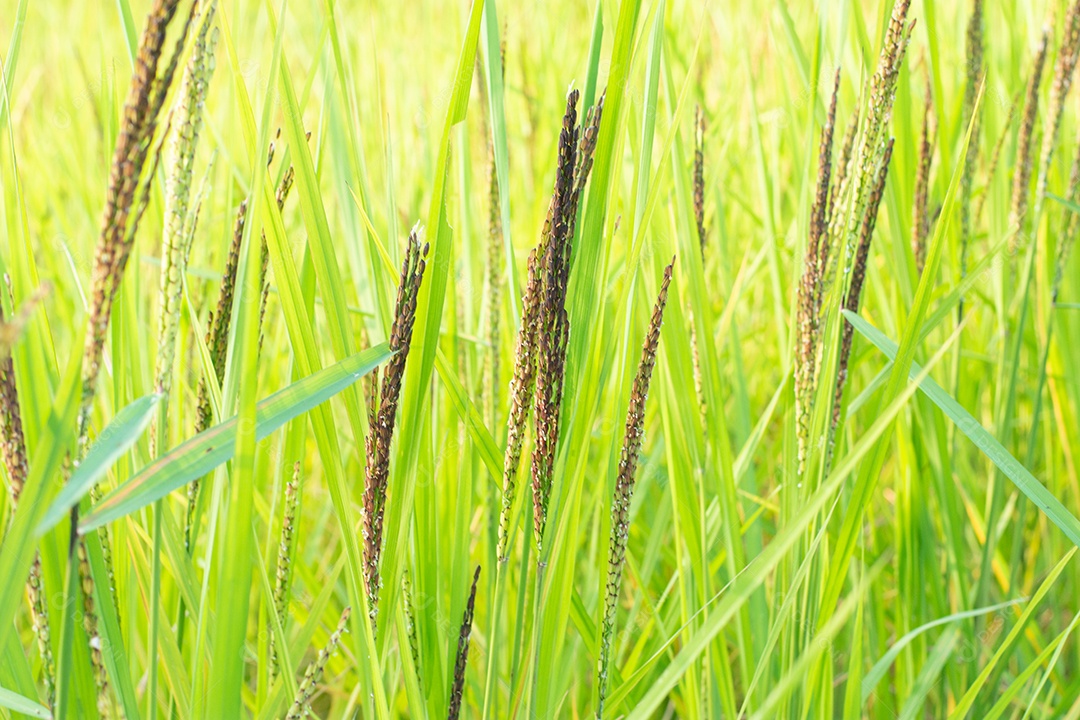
(986, 442)
(26, 706)
(204, 452)
(115, 440)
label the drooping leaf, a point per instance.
(207, 450)
(987, 443)
(115, 440)
(20, 704)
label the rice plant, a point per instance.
(258, 437)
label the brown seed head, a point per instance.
(1064, 70)
(1024, 145)
(624, 482)
(811, 286)
(920, 224)
(122, 213)
(553, 324)
(971, 91)
(382, 418)
(458, 688)
(521, 396)
(851, 299)
(699, 176)
(1069, 231)
(283, 572)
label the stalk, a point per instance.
(841, 181)
(13, 452)
(699, 177)
(971, 90)
(127, 198)
(881, 94)
(521, 392)
(410, 624)
(283, 571)
(494, 283)
(1064, 70)
(812, 283)
(180, 216)
(1017, 240)
(382, 414)
(854, 204)
(699, 222)
(624, 487)
(217, 343)
(920, 222)
(552, 327)
(841, 223)
(854, 293)
(576, 146)
(995, 158)
(180, 221)
(462, 658)
(1062, 82)
(220, 320)
(217, 337)
(314, 672)
(1024, 145)
(967, 179)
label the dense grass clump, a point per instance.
(258, 437)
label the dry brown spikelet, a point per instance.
(382, 417)
(854, 293)
(624, 484)
(126, 199)
(1064, 70)
(920, 223)
(1024, 146)
(13, 452)
(811, 284)
(521, 393)
(699, 176)
(974, 64)
(457, 690)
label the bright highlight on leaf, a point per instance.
(209, 449)
(112, 442)
(25, 706)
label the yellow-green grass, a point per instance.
(922, 568)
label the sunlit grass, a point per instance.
(838, 480)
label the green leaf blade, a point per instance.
(204, 452)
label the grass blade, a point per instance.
(987, 443)
(116, 439)
(207, 450)
(877, 672)
(20, 704)
(962, 708)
